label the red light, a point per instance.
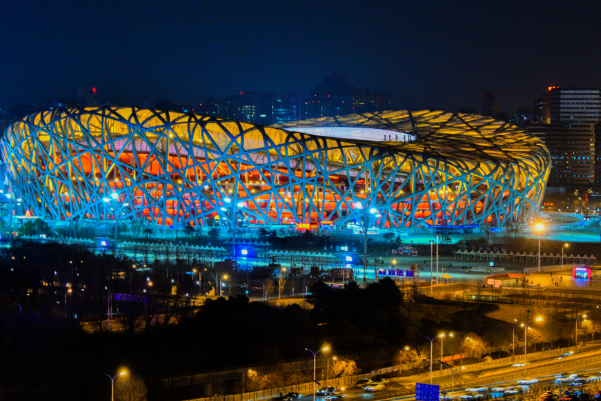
(242, 93)
(94, 90)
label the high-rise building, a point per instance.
(569, 125)
(87, 97)
(249, 106)
(490, 104)
(575, 105)
(287, 107)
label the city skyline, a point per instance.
(430, 56)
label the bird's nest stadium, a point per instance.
(409, 169)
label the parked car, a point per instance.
(497, 389)
(336, 396)
(292, 396)
(381, 380)
(373, 387)
(326, 390)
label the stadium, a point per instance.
(408, 169)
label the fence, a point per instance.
(349, 381)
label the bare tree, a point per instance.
(130, 388)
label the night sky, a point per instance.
(426, 54)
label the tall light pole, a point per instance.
(314, 361)
(442, 345)
(199, 281)
(233, 219)
(436, 258)
(122, 373)
(540, 228)
(566, 245)
(366, 213)
(513, 338)
(538, 319)
(431, 269)
(280, 283)
(11, 207)
(225, 277)
(431, 349)
(452, 373)
(577, 317)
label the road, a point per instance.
(545, 370)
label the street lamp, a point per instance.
(452, 373)
(566, 245)
(199, 282)
(538, 319)
(280, 283)
(436, 259)
(366, 215)
(314, 361)
(442, 344)
(431, 269)
(540, 228)
(513, 338)
(431, 346)
(577, 317)
(122, 373)
(225, 277)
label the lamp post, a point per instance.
(437, 259)
(122, 373)
(366, 213)
(431, 347)
(431, 269)
(280, 283)
(328, 368)
(199, 281)
(225, 277)
(442, 345)
(11, 207)
(566, 245)
(67, 291)
(314, 361)
(234, 206)
(513, 338)
(452, 373)
(538, 319)
(577, 317)
(539, 227)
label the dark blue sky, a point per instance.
(425, 53)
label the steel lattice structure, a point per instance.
(175, 169)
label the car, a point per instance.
(326, 390)
(591, 378)
(466, 397)
(513, 391)
(562, 379)
(498, 389)
(528, 381)
(361, 383)
(336, 396)
(373, 387)
(517, 365)
(292, 396)
(481, 389)
(381, 380)
(575, 383)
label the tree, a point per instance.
(269, 287)
(388, 237)
(35, 227)
(189, 230)
(130, 388)
(343, 368)
(398, 240)
(214, 234)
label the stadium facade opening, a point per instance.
(416, 169)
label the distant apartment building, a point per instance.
(287, 107)
(490, 104)
(572, 134)
(87, 97)
(336, 96)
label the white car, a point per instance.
(517, 365)
(498, 389)
(512, 391)
(481, 389)
(591, 378)
(528, 381)
(562, 379)
(374, 387)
